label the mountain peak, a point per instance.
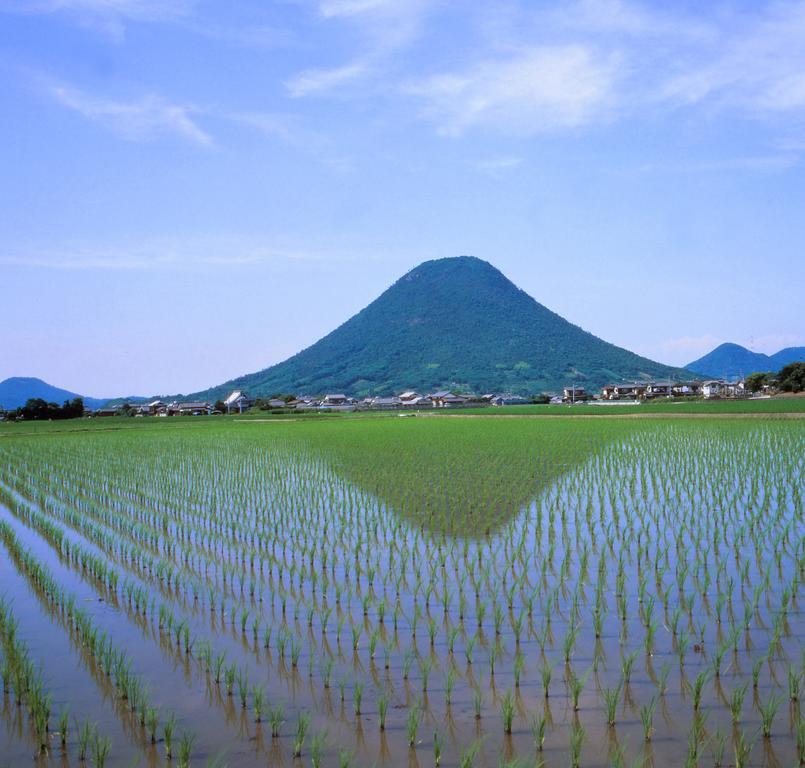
(451, 323)
(729, 361)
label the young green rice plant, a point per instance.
(167, 733)
(469, 755)
(737, 702)
(662, 679)
(793, 683)
(243, 688)
(611, 699)
(437, 749)
(64, 724)
(276, 718)
(185, 749)
(357, 697)
(101, 747)
(382, 709)
(538, 726)
(627, 663)
(576, 687)
(85, 733)
(478, 702)
(424, 671)
(577, 734)
(507, 711)
(718, 743)
(756, 669)
(647, 717)
(449, 683)
(768, 710)
(152, 723)
(698, 688)
(546, 674)
(317, 743)
(258, 702)
(743, 750)
(412, 723)
(302, 724)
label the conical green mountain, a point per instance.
(455, 323)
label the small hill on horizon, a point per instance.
(455, 323)
(17, 390)
(731, 361)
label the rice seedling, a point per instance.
(611, 699)
(317, 742)
(538, 728)
(647, 718)
(577, 734)
(743, 750)
(412, 723)
(167, 733)
(737, 701)
(185, 749)
(302, 725)
(276, 718)
(101, 747)
(768, 710)
(507, 711)
(469, 755)
(437, 749)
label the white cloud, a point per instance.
(109, 17)
(756, 63)
(164, 254)
(311, 81)
(500, 163)
(138, 120)
(334, 8)
(541, 89)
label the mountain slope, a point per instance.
(455, 323)
(730, 361)
(14, 392)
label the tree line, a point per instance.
(790, 378)
(37, 409)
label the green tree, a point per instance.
(754, 381)
(792, 377)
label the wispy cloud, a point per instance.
(213, 250)
(138, 120)
(106, 16)
(540, 89)
(312, 81)
(756, 63)
(497, 164)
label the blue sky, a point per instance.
(192, 190)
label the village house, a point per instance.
(573, 394)
(190, 408)
(712, 389)
(446, 399)
(337, 403)
(658, 389)
(238, 401)
(386, 403)
(687, 389)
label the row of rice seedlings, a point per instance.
(113, 661)
(21, 677)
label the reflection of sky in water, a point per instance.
(639, 501)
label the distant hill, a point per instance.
(14, 392)
(731, 361)
(454, 323)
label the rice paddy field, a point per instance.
(403, 592)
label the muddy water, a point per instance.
(178, 683)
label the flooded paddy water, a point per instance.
(404, 592)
